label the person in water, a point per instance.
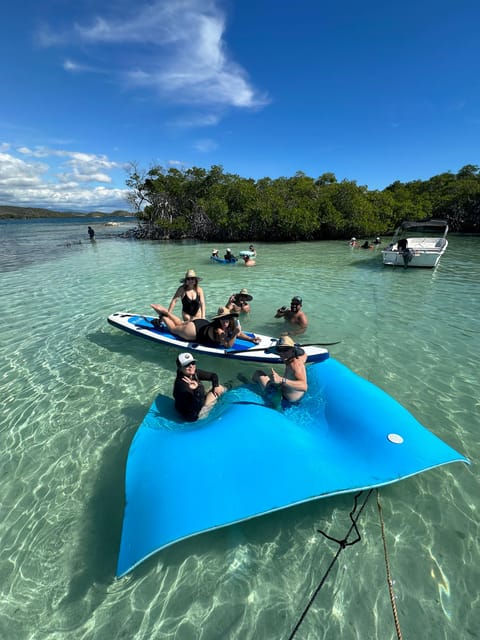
(240, 302)
(217, 332)
(294, 316)
(91, 233)
(191, 296)
(366, 245)
(248, 261)
(192, 401)
(235, 327)
(229, 257)
(293, 383)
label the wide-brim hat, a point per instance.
(285, 343)
(191, 274)
(244, 293)
(223, 312)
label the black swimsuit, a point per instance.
(202, 327)
(190, 305)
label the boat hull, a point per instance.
(409, 250)
(414, 257)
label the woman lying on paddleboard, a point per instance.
(220, 330)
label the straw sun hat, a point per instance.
(244, 293)
(223, 312)
(285, 343)
(190, 274)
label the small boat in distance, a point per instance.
(419, 243)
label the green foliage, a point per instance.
(213, 205)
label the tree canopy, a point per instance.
(218, 206)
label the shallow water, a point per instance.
(75, 390)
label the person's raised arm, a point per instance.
(203, 306)
(177, 296)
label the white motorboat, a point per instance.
(419, 243)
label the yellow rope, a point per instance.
(389, 577)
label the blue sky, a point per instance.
(373, 92)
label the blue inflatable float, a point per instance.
(218, 260)
(247, 459)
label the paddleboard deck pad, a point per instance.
(246, 459)
(242, 349)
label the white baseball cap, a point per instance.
(184, 359)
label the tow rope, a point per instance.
(343, 544)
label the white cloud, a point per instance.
(196, 120)
(180, 52)
(44, 184)
(16, 172)
(205, 145)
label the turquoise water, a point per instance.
(75, 389)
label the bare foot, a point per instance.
(159, 309)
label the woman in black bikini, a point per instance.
(191, 296)
(220, 331)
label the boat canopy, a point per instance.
(430, 226)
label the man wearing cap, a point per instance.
(295, 316)
(229, 257)
(191, 399)
(293, 383)
(239, 302)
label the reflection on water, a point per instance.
(74, 391)
(26, 242)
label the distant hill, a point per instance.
(7, 211)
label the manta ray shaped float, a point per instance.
(247, 459)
